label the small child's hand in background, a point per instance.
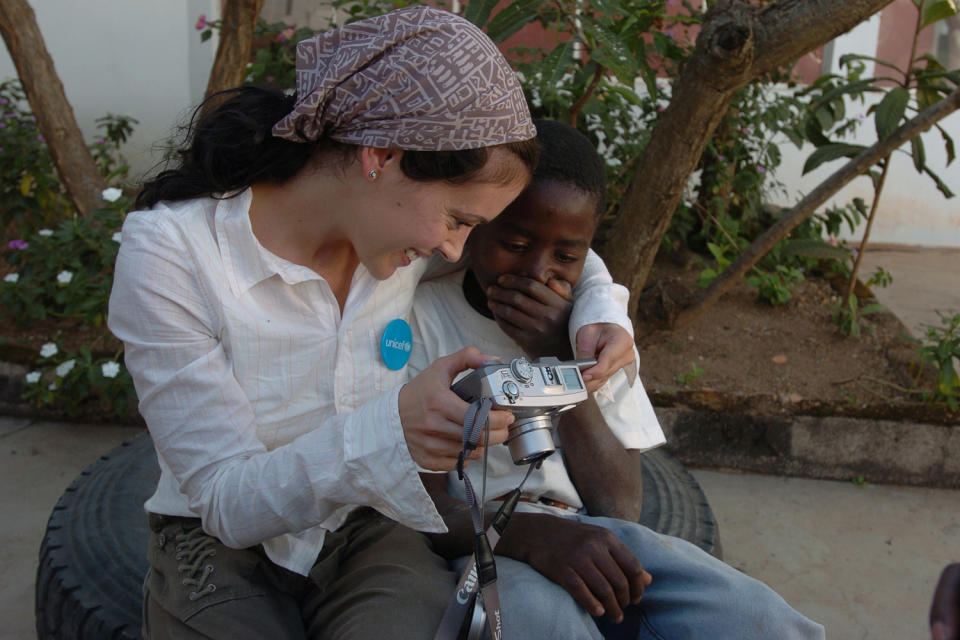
(533, 314)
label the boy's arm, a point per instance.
(599, 326)
(607, 476)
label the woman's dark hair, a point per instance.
(229, 145)
(568, 156)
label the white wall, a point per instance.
(141, 58)
(911, 211)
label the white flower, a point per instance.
(11, 277)
(116, 237)
(33, 377)
(48, 350)
(110, 369)
(46, 233)
(112, 194)
(53, 386)
(65, 367)
(64, 277)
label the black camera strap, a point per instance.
(480, 573)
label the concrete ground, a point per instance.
(925, 281)
(861, 560)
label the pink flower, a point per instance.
(669, 33)
(4, 101)
(285, 35)
(41, 138)
(18, 244)
(761, 168)
(99, 141)
(201, 22)
(832, 241)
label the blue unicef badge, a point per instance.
(396, 343)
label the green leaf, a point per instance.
(849, 57)
(609, 50)
(206, 35)
(814, 133)
(814, 248)
(890, 111)
(941, 185)
(824, 116)
(514, 17)
(936, 10)
(948, 144)
(557, 63)
(478, 11)
(918, 153)
(829, 152)
(929, 95)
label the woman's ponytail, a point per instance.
(229, 146)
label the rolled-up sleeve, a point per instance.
(598, 299)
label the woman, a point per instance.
(252, 296)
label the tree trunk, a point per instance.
(236, 42)
(738, 42)
(803, 209)
(74, 163)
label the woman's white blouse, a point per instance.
(272, 414)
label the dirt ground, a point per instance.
(743, 355)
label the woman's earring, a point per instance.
(373, 174)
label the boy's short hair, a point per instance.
(568, 156)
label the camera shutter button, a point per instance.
(511, 390)
(521, 369)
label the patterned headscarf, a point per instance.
(417, 78)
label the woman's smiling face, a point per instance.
(415, 219)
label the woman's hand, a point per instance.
(590, 562)
(533, 314)
(432, 414)
(610, 344)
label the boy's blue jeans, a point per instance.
(693, 595)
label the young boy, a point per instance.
(573, 560)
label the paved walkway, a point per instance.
(925, 282)
(863, 561)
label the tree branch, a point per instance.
(74, 163)
(738, 42)
(236, 43)
(803, 209)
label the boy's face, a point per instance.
(544, 235)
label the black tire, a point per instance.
(93, 556)
(675, 505)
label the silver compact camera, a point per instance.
(534, 392)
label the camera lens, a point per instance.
(530, 439)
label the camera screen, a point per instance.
(570, 378)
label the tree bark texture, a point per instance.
(738, 42)
(48, 101)
(236, 42)
(809, 203)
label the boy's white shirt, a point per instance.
(444, 322)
